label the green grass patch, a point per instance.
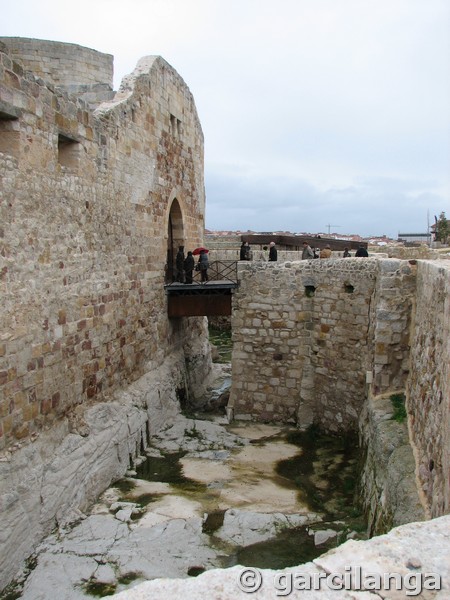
(221, 338)
(128, 578)
(124, 485)
(398, 404)
(100, 590)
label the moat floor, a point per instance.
(206, 492)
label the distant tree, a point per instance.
(442, 228)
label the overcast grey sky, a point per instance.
(317, 114)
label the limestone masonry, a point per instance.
(306, 334)
(96, 199)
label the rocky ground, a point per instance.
(411, 561)
(208, 495)
(218, 495)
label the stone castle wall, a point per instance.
(428, 388)
(307, 333)
(46, 484)
(93, 206)
(389, 325)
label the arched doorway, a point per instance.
(175, 238)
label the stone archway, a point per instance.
(175, 237)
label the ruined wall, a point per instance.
(61, 64)
(92, 204)
(428, 389)
(389, 325)
(308, 334)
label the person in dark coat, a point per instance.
(362, 252)
(179, 264)
(203, 264)
(244, 253)
(273, 254)
(346, 253)
(189, 264)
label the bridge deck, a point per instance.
(199, 288)
(212, 298)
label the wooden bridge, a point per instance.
(210, 298)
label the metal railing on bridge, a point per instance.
(222, 270)
(219, 271)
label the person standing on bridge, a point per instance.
(273, 254)
(179, 265)
(189, 264)
(203, 264)
(244, 253)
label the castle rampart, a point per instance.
(94, 205)
(428, 385)
(306, 334)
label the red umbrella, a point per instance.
(198, 250)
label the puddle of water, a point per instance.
(168, 469)
(254, 483)
(221, 338)
(281, 470)
(326, 472)
(289, 548)
(213, 521)
(183, 497)
(247, 479)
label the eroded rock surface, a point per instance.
(411, 553)
(141, 530)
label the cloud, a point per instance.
(313, 112)
(371, 206)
